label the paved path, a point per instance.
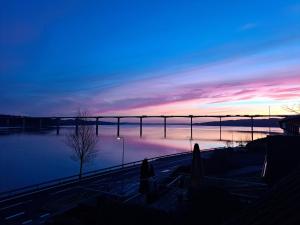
(37, 207)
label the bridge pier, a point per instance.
(57, 126)
(191, 117)
(40, 123)
(165, 127)
(97, 126)
(220, 128)
(118, 131)
(23, 124)
(252, 128)
(76, 126)
(141, 126)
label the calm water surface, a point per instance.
(27, 159)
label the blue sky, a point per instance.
(121, 57)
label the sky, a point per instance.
(149, 57)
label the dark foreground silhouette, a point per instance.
(224, 188)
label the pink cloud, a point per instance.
(280, 87)
(272, 76)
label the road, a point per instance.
(39, 206)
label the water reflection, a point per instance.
(27, 159)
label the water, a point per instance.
(28, 158)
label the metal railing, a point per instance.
(27, 190)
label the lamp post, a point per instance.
(123, 149)
(191, 144)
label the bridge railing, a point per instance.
(75, 178)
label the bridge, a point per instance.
(141, 118)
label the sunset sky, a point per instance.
(149, 57)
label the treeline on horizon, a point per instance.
(40, 122)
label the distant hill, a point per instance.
(18, 121)
(273, 122)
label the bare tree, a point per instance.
(293, 109)
(82, 142)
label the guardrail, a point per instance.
(75, 178)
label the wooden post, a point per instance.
(118, 131)
(141, 126)
(252, 128)
(165, 127)
(76, 126)
(220, 128)
(97, 128)
(191, 127)
(57, 126)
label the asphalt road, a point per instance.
(39, 206)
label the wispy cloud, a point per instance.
(277, 88)
(216, 82)
(268, 75)
(248, 26)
